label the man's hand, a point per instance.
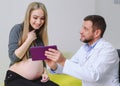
(55, 56)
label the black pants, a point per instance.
(14, 79)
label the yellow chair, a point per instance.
(65, 80)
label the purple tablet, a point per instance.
(37, 53)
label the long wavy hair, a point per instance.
(26, 23)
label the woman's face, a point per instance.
(37, 18)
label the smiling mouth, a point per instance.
(37, 25)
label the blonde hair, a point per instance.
(43, 33)
(26, 24)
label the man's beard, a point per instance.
(87, 40)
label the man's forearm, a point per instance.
(62, 61)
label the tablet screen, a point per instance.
(37, 53)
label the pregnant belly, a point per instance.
(28, 69)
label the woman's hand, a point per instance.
(45, 77)
(32, 35)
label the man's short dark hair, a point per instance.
(98, 22)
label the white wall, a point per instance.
(65, 19)
(111, 12)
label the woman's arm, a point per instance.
(20, 52)
(15, 52)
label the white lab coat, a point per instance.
(99, 68)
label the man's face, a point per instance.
(87, 33)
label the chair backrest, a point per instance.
(118, 50)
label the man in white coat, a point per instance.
(95, 63)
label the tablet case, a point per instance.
(37, 53)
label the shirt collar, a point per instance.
(89, 48)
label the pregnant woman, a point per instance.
(31, 32)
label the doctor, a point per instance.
(95, 63)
